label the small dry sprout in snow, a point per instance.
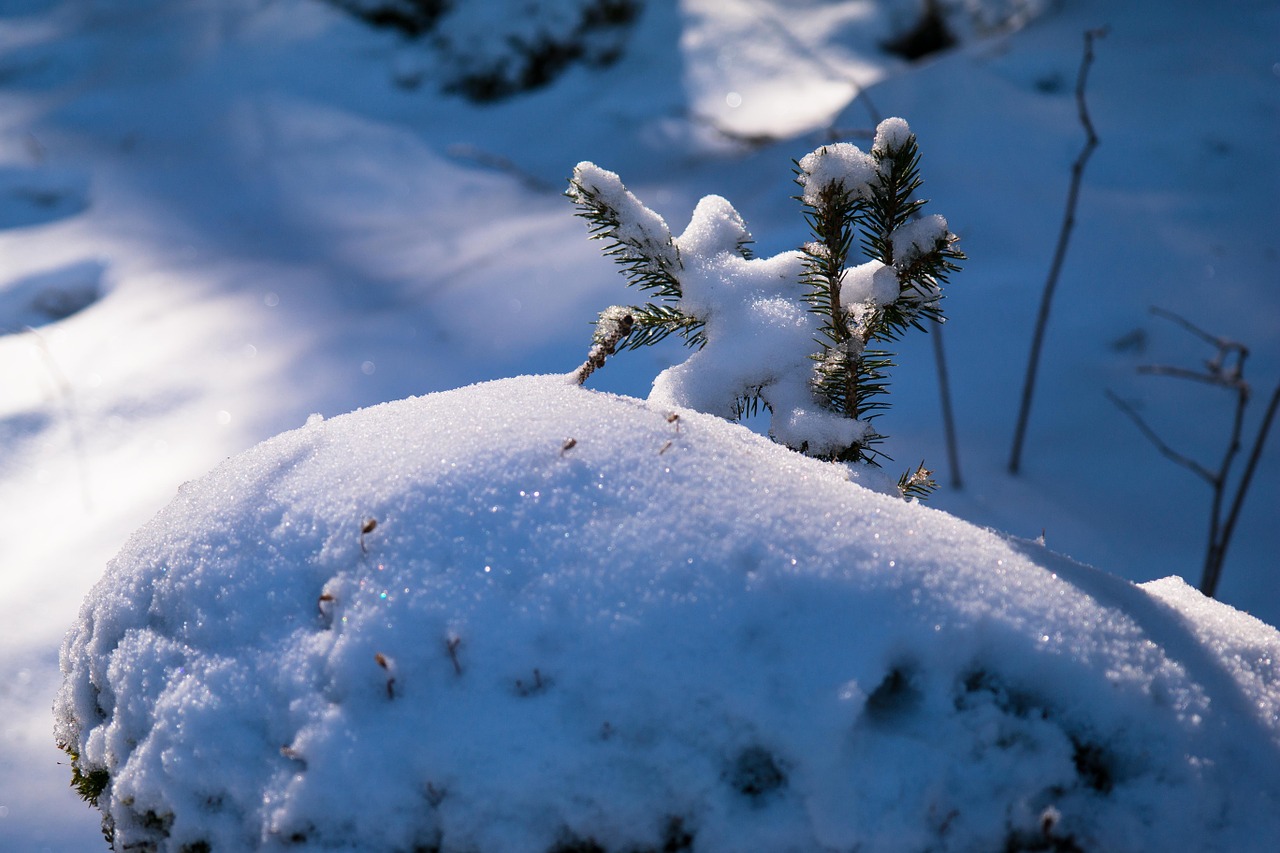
(389, 667)
(451, 644)
(539, 684)
(366, 527)
(325, 604)
(435, 796)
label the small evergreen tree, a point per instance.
(802, 332)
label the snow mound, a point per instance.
(525, 616)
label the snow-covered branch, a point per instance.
(800, 331)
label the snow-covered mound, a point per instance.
(525, 616)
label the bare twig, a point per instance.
(1217, 545)
(451, 643)
(948, 420)
(1211, 339)
(1183, 373)
(1209, 582)
(1151, 435)
(1224, 370)
(435, 796)
(325, 604)
(1060, 252)
(474, 154)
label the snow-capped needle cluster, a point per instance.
(801, 331)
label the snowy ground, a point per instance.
(258, 217)
(439, 624)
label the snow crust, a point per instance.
(521, 614)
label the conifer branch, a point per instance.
(850, 375)
(643, 246)
(831, 213)
(614, 325)
(918, 484)
(827, 398)
(653, 322)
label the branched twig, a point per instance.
(1183, 373)
(1060, 252)
(1178, 319)
(1224, 370)
(1209, 583)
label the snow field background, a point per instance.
(274, 226)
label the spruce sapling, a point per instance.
(899, 287)
(801, 332)
(640, 242)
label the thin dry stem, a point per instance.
(1060, 252)
(1209, 583)
(1224, 370)
(1152, 436)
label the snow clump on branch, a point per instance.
(796, 331)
